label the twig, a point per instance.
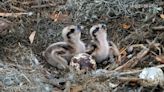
(132, 62)
(32, 2)
(158, 28)
(115, 73)
(26, 78)
(160, 66)
(28, 2)
(116, 52)
(17, 8)
(146, 5)
(15, 14)
(130, 79)
(100, 75)
(46, 5)
(55, 82)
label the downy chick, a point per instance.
(99, 45)
(59, 54)
(100, 48)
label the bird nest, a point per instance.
(131, 23)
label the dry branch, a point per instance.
(158, 28)
(130, 79)
(15, 14)
(134, 61)
(46, 5)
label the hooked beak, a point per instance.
(79, 28)
(104, 26)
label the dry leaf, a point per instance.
(77, 88)
(126, 26)
(162, 16)
(160, 58)
(32, 36)
(60, 17)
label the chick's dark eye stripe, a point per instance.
(94, 31)
(71, 31)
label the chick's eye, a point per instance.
(103, 26)
(72, 30)
(94, 31)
